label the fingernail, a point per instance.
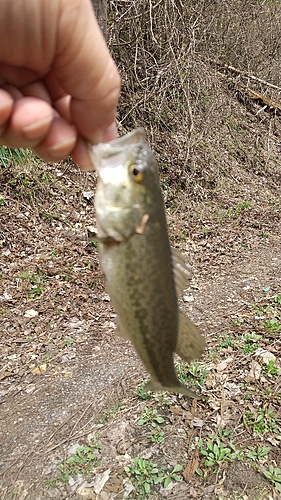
(7, 103)
(62, 148)
(37, 129)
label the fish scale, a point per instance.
(143, 276)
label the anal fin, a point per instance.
(182, 271)
(190, 343)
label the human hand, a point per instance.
(59, 86)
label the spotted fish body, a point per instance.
(143, 275)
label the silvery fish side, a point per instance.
(143, 275)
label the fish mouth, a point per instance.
(117, 148)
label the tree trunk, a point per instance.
(100, 8)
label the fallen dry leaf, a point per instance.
(30, 313)
(39, 369)
(191, 467)
(255, 370)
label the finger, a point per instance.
(14, 92)
(36, 89)
(80, 153)
(59, 141)
(14, 74)
(6, 106)
(29, 122)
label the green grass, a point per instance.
(19, 156)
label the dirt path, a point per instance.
(47, 414)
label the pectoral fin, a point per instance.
(182, 272)
(190, 343)
(178, 389)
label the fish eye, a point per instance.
(137, 173)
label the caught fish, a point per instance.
(144, 276)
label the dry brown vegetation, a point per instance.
(203, 78)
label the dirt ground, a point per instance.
(66, 379)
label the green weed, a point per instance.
(251, 342)
(141, 393)
(196, 373)
(228, 341)
(215, 452)
(82, 462)
(143, 474)
(277, 299)
(151, 417)
(50, 483)
(20, 156)
(172, 475)
(112, 411)
(272, 326)
(271, 369)
(274, 475)
(69, 341)
(261, 420)
(157, 435)
(38, 281)
(257, 454)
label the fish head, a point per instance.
(128, 178)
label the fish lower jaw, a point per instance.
(154, 385)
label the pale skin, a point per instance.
(59, 86)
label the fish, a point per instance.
(144, 276)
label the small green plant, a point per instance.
(67, 276)
(196, 373)
(50, 483)
(94, 244)
(69, 341)
(172, 475)
(151, 417)
(2, 202)
(82, 462)
(261, 421)
(215, 451)
(257, 454)
(162, 401)
(143, 474)
(227, 341)
(274, 474)
(271, 369)
(20, 156)
(141, 393)
(112, 411)
(251, 342)
(272, 326)
(157, 435)
(277, 299)
(38, 281)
